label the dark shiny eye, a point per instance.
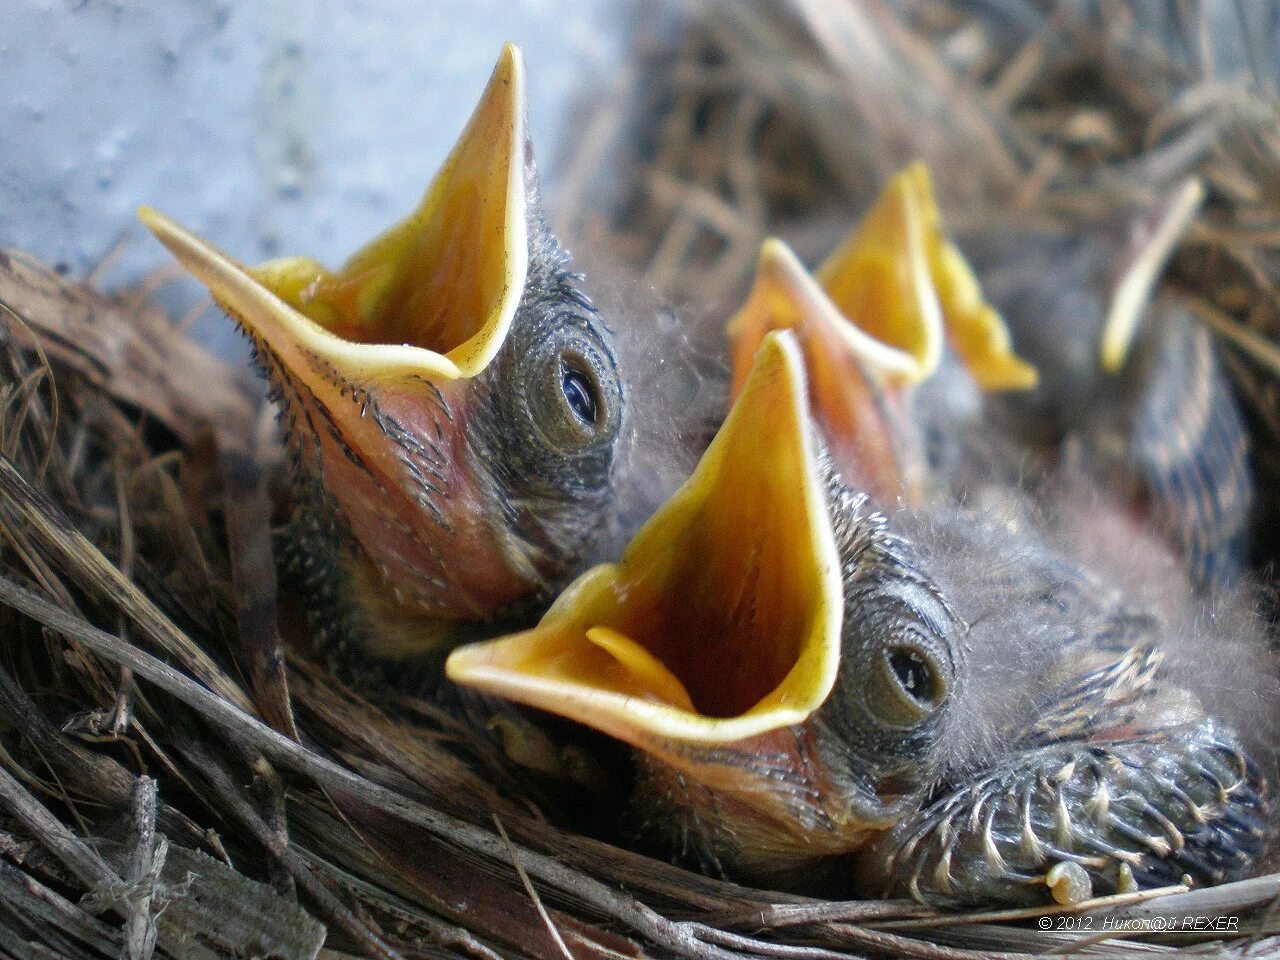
(580, 394)
(913, 673)
(907, 686)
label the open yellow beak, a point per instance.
(893, 292)
(900, 279)
(872, 324)
(434, 296)
(852, 375)
(722, 619)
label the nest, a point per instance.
(177, 781)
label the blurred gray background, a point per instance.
(283, 126)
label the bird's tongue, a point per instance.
(722, 619)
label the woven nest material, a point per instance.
(174, 784)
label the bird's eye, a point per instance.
(580, 393)
(569, 386)
(912, 673)
(908, 686)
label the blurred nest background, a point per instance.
(177, 780)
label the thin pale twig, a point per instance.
(146, 860)
(532, 891)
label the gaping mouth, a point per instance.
(900, 279)
(874, 322)
(892, 293)
(435, 295)
(853, 377)
(722, 619)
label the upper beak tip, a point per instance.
(773, 250)
(154, 220)
(510, 66)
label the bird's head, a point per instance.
(450, 391)
(788, 668)
(876, 320)
(1078, 301)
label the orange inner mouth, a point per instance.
(447, 278)
(722, 622)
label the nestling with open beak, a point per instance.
(450, 397)
(894, 311)
(944, 695)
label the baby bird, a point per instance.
(1131, 385)
(899, 343)
(935, 704)
(450, 398)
